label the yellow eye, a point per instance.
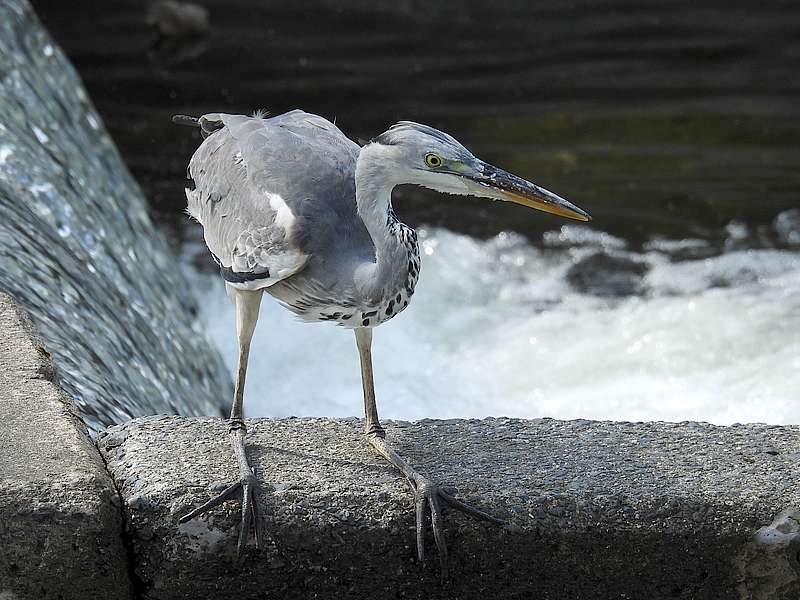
(433, 161)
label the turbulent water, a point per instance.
(578, 326)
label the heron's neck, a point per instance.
(394, 272)
(375, 180)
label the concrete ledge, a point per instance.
(60, 523)
(595, 509)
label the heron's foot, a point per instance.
(429, 498)
(246, 491)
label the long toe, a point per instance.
(229, 493)
(437, 524)
(250, 509)
(465, 508)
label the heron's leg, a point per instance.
(246, 489)
(428, 496)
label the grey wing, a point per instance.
(254, 179)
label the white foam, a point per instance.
(5, 152)
(495, 329)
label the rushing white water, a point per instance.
(495, 328)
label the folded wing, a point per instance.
(255, 182)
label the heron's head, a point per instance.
(431, 158)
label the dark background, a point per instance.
(660, 118)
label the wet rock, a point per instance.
(594, 510)
(79, 252)
(603, 274)
(787, 226)
(178, 19)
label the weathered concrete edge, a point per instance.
(767, 566)
(60, 517)
(193, 558)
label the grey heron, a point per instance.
(292, 207)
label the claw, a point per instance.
(437, 522)
(421, 518)
(258, 524)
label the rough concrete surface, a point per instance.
(594, 509)
(60, 525)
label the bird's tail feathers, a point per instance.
(186, 120)
(208, 124)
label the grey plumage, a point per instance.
(398, 133)
(277, 201)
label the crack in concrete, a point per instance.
(139, 587)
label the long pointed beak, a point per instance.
(507, 186)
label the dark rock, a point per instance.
(178, 19)
(602, 274)
(787, 226)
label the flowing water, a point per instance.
(78, 250)
(503, 327)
